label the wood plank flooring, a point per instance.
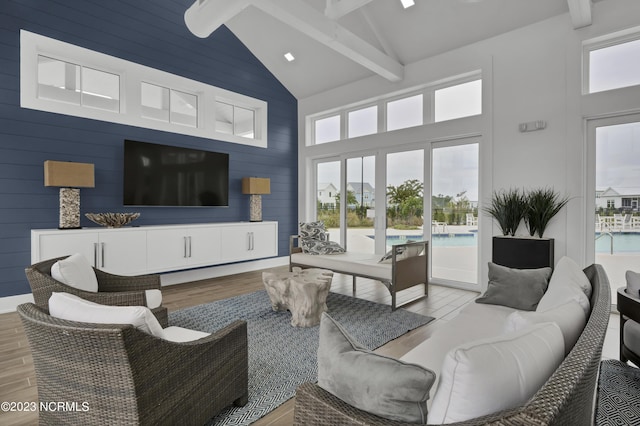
(17, 376)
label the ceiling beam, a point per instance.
(580, 11)
(378, 34)
(309, 21)
(205, 16)
(337, 9)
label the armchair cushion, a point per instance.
(73, 308)
(179, 334)
(76, 272)
(633, 283)
(154, 298)
(374, 383)
(631, 336)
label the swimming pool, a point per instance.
(623, 242)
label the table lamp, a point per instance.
(69, 177)
(255, 187)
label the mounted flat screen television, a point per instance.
(162, 175)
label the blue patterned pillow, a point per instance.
(313, 230)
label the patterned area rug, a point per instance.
(281, 357)
(618, 394)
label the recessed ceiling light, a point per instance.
(407, 3)
(289, 56)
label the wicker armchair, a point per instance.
(565, 399)
(117, 374)
(116, 290)
(629, 308)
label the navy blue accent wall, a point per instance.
(150, 33)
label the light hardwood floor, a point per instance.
(17, 376)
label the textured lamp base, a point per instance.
(69, 208)
(255, 208)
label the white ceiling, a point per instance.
(330, 53)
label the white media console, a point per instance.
(154, 249)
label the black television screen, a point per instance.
(162, 175)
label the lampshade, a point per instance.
(68, 174)
(256, 186)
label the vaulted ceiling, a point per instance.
(336, 42)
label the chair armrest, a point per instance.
(214, 367)
(628, 305)
(109, 282)
(293, 248)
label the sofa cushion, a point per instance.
(564, 288)
(633, 283)
(489, 375)
(357, 263)
(374, 383)
(75, 271)
(567, 270)
(570, 318)
(73, 308)
(474, 321)
(516, 288)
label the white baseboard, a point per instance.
(10, 303)
(181, 277)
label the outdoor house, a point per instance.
(389, 121)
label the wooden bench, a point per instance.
(398, 274)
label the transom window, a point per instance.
(66, 79)
(612, 62)
(461, 97)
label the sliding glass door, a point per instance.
(454, 212)
(616, 143)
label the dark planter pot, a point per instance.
(523, 253)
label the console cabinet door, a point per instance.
(249, 241)
(123, 252)
(64, 243)
(167, 249)
(204, 246)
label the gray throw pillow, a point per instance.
(517, 288)
(633, 283)
(374, 383)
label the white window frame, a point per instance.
(428, 107)
(608, 40)
(131, 75)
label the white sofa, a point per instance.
(495, 363)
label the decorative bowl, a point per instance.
(112, 220)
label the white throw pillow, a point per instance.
(75, 271)
(570, 318)
(73, 308)
(490, 375)
(567, 270)
(633, 283)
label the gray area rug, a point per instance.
(281, 357)
(618, 394)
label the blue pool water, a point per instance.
(622, 242)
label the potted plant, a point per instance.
(542, 205)
(508, 209)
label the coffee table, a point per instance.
(301, 291)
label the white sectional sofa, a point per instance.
(492, 363)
